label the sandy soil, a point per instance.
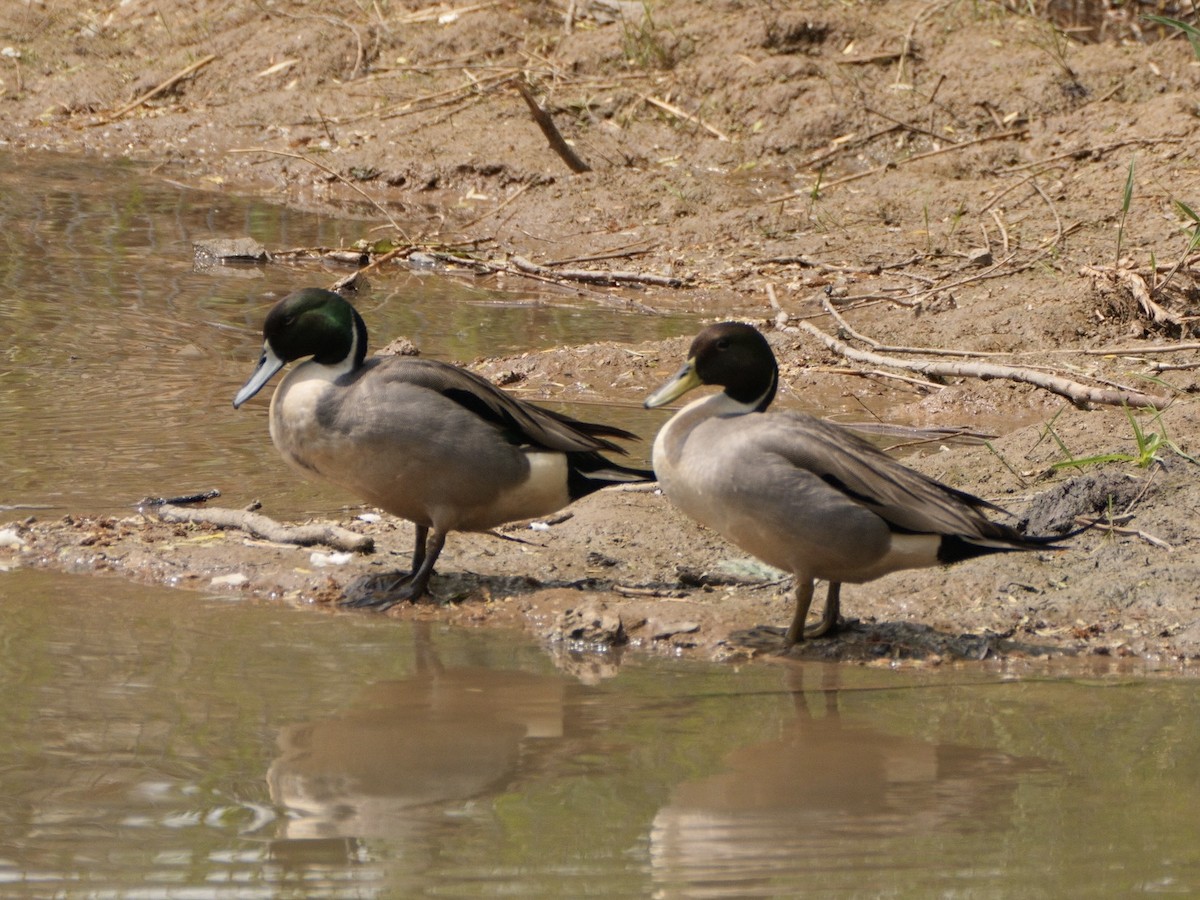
(950, 176)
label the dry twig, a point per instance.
(895, 164)
(1079, 394)
(557, 142)
(1137, 287)
(588, 276)
(157, 89)
(329, 171)
(267, 528)
(685, 115)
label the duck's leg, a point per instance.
(829, 618)
(384, 591)
(419, 585)
(804, 595)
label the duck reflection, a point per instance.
(411, 747)
(805, 800)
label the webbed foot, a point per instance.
(382, 592)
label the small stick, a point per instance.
(557, 143)
(895, 164)
(432, 14)
(589, 277)
(844, 326)
(540, 273)
(158, 89)
(428, 102)
(617, 253)
(1117, 529)
(879, 373)
(1012, 187)
(1058, 225)
(267, 528)
(811, 263)
(916, 129)
(869, 58)
(495, 209)
(1100, 150)
(1139, 351)
(326, 169)
(841, 145)
(684, 114)
(995, 214)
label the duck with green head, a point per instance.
(805, 495)
(423, 440)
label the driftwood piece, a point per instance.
(267, 528)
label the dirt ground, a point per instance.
(967, 185)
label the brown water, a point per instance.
(119, 359)
(156, 743)
(159, 744)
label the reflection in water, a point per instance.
(822, 796)
(412, 751)
(154, 744)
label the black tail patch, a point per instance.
(588, 472)
(955, 549)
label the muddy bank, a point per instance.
(623, 570)
(935, 185)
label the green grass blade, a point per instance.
(1126, 203)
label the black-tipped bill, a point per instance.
(268, 365)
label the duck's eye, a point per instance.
(723, 343)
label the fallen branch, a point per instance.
(1080, 394)
(157, 89)
(557, 142)
(267, 528)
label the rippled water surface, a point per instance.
(158, 743)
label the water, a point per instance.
(118, 356)
(209, 749)
(156, 743)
